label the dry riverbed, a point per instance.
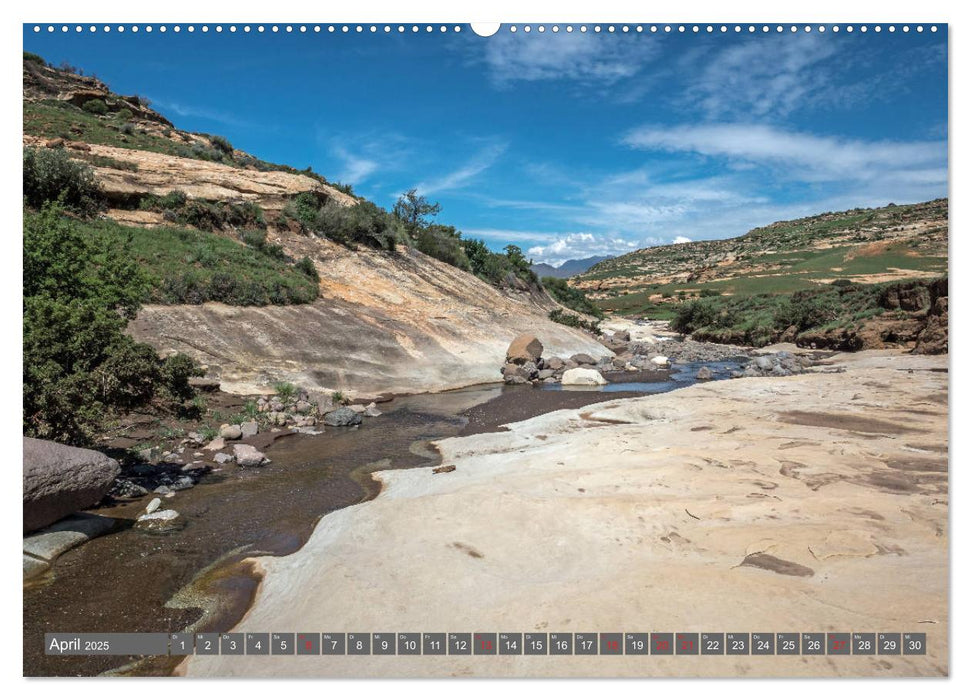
(815, 502)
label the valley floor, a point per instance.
(816, 502)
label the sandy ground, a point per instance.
(635, 515)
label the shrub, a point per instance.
(128, 128)
(285, 391)
(364, 223)
(443, 243)
(124, 114)
(221, 143)
(79, 366)
(50, 175)
(485, 264)
(806, 310)
(95, 107)
(257, 239)
(694, 315)
(34, 58)
(568, 319)
(570, 297)
(521, 266)
(307, 267)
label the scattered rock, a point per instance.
(661, 361)
(764, 363)
(59, 480)
(163, 490)
(582, 358)
(153, 505)
(371, 411)
(357, 407)
(554, 363)
(249, 428)
(524, 348)
(581, 376)
(215, 445)
(342, 417)
(230, 432)
(444, 469)
(704, 374)
(249, 456)
(303, 407)
(160, 521)
(222, 458)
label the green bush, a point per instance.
(570, 297)
(124, 114)
(307, 267)
(443, 243)
(285, 391)
(79, 367)
(95, 107)
(485, 264)
(574, 321)
(693, 315)
(51, 176)
(221, 143)
(806, 310)
(363, 223)
(257, 239)
(204, 214)
(34, 58)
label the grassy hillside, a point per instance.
(861, 245)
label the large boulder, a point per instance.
(582, 376)
(60, 480)
(524, 348)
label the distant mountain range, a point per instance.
(569, 268)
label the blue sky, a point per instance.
(567, 144)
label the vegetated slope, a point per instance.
(862, 245)
(384, 320)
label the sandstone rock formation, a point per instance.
(811, 502)
(384, 324)
(59, 480)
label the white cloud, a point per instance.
(574, 246)
(356, 169)
(583, 57)
(466, 173)
(759, 76)
(681, 239)
(802, 156)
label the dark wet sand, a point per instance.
(123, 581)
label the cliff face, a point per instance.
(399, 324)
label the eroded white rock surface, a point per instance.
(637, 515)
